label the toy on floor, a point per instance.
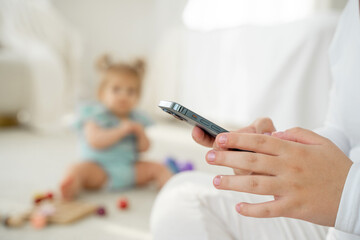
(123, 203)
(38, 198)
(176, 166)
(38, 221)
(16, 220)
(101, 211)
(47, 210)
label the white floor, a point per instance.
(31, 163)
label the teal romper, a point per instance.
(119, 159)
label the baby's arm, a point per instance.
(143, 142)
(101, 138)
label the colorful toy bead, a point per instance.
(188, 166)
(101, 211)
(50, 195)
(172, 165)
(123, 203)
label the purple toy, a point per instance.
(101, 211)
(177, 166)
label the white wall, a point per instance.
(123, 28)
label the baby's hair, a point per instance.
(106, 65)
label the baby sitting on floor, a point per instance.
(112, 135)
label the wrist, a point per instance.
(125, 129)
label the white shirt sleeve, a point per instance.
(337, 136)
(348, 217)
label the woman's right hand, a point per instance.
(260, 126)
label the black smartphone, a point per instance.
(184, 114)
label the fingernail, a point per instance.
(267, 133)
(217, 180)
(211, 156)
(222, 139)
(238, 207)
(280, 133)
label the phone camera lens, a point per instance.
(178, 117)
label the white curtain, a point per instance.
(217, 14)
(236, 75)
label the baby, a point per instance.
(112, 135)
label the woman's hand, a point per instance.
(304, 172)
(261, 125)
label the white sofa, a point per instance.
(39, 61)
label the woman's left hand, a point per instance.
(304, 171)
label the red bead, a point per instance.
(37, 200)
(50, 195)
(123, 203)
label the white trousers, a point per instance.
(189, 207)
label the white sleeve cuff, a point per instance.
(348, 216)
(337, 136)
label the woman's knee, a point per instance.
(178, 205)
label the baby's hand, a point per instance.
(138, 128)
(127, 126)
(131, 127)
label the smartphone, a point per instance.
(184, 114)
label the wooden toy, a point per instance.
(68, 212)
(49, 210)
(123, 203)
(16, 220)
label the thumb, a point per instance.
(300, 135)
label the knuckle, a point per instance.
(295, 186)
(253, 183)
(252, 129)
(295, 129)
(266, 212)
(251, 161)
(260, 140)
(266, 120)
(296, 169)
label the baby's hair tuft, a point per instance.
(139, 66)
(103, 63)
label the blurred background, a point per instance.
(231, 61)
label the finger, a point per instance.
(248, 129)
(264, 125)
(275, 208)
(202, 138)
(254, 162)
(259, 143)
(300, 135)
(256, 184)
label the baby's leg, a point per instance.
(85, 175)
(150, 171)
